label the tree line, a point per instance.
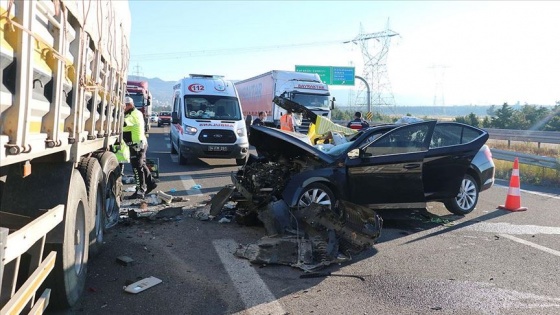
(505, 117)
(528, 117)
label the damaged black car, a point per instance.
(316, 195)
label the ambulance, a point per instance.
(207, 120)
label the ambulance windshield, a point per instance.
(212, 107)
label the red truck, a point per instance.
(142, 97)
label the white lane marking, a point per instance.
(533, 192)
(508, 228)
(537, 246)
(166, 139)
(188, 183)
(251, 288)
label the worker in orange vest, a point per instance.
(287, 121)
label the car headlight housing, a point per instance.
(190, 130)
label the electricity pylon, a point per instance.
(375, 66)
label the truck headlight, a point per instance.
(190, 130)
(241, 132)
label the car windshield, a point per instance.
(212, 107)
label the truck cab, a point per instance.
(142, 97)
(207, 120)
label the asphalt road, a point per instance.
(427, 261)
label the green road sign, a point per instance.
(331, 75)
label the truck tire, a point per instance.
(93, 176)
(67, 280)
(113, 187)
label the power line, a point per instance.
(226, 51)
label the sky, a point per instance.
(445, 53)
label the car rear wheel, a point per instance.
(466, 198)
(316, 193)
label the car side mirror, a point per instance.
(149, 101)
(174, 118)
(355, 153)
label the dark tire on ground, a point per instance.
(1, 190)
(67, 280)
(466, 199)
(182, 159)
(113, 187)
(95, 185)
(241, 162)
(317, 193)
(173, 151)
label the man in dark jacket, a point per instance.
(259, 121)
(358, 123)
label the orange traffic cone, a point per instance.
(513, 200)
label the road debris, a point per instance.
(329, 274)
(125, 260)
(142, 285)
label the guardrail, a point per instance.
(529, 159)
(525, 136)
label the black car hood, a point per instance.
(272, 143)
(295, 108)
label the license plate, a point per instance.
(217, 148)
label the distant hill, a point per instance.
(162, 91)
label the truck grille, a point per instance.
(217, 136)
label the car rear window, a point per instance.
(447, 135)
(165, 114)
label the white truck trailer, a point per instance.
(256, 95)
(63, 72)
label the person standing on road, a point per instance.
(135, 138)
(287, 121)
(259, 121)
(358, 123)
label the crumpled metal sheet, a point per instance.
(286, 250)
(313, 237)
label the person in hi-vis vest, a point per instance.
(135, 138)
(287, 121)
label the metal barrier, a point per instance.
(525, 136)
(529, 159)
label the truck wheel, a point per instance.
(67, 280)
(95, 185)
(113, 187)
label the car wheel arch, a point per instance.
(475, 174)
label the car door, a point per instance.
(452, 148)
(387, 173)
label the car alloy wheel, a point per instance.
(316, 193)
(466, 199)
